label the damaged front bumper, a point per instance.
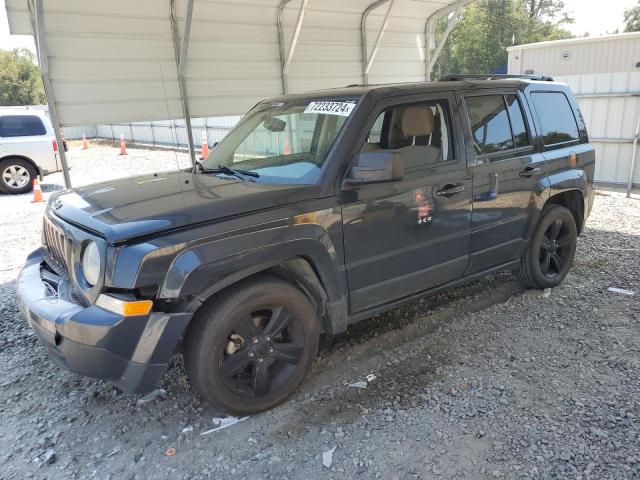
(132, 352)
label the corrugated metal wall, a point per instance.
(580, 56)
(602, 73)
(610, 103)
(168, 133)
(172, 133)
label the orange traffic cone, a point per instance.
(123, 146)
(287, 148)
(205, 145)
(37, 192)
(85, 144)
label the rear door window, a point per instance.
(21, 126)
(489, 122)
(556, 117)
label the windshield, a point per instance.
(281, 142)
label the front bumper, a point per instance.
(132, 352)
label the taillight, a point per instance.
(54, 142)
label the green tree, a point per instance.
(478, 43)
(20, 81)
(632, 19)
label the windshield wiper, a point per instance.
(231, 171)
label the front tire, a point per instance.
(16, 176)
(252, 346)
(550, 253)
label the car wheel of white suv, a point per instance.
(16, 176)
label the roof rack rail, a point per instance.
(461, 77)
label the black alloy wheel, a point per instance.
(555, 248)
(262, 352)
(550, 252)
(251, 346)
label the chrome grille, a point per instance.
(58, 245)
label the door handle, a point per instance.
(450, 190)
(530, 171)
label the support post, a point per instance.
(281, 51)
(181, 55)
(450, 25)
(363, 37)
(634, 154)
(429, 38)
(296, 35)
(376, 45)
(285, 58)
(429, 31)
(37, 18)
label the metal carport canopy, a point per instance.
(126, 61)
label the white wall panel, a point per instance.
(610, 103)
(591, 55)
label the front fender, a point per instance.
(202, 270)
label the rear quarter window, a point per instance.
(556, 117)
(518, 125)
(21, 126)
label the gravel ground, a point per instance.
(484, 381)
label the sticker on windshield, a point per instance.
(330, 108)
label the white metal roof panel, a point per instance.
(114, 61)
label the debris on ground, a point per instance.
(114, 452)
(188, 429)
(50, 456)
(363, 383)
(622, 291)
(547, 293)
(224, 422)
(170, 452)
(327, 457)
(151, 396)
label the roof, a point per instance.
(117, 61)
(379, 91)
(576, 41)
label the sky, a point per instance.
(595, 17)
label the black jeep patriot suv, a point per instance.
(316, 211)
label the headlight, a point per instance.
(91, 264)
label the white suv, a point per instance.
(28, 148)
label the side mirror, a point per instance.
(377, 166)
(274, 124)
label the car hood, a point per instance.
(124, 209)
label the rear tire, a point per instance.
(550, 253)
(16, 176)
(252, 346)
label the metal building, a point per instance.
(604, 73)
(127, 61)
